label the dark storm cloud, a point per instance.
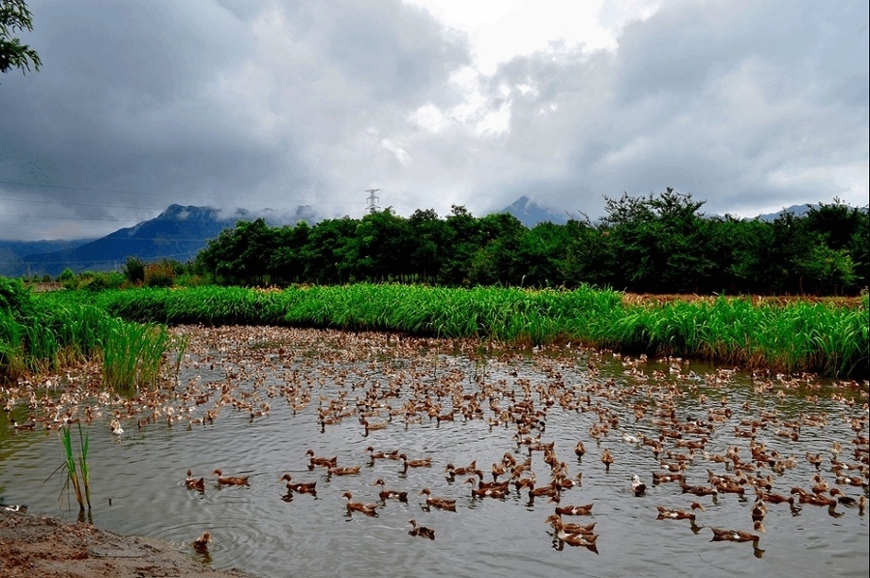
(751, 106)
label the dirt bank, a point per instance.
(38, 545)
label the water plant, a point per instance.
(82, 487)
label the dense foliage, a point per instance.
(14, 17)
(655, 244)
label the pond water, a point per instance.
(138, 477)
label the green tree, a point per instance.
(15, 16)
(134, 270)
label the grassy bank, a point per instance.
(39, 335)
(829, 338)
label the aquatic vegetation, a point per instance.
(82, 487)
(800, 335)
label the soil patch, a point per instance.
(39, 545)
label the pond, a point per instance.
(253, 401)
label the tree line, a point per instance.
(660, 243)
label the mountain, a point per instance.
(178, 233)
(530, 213)
(796, 210)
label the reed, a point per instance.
(131, 354)
(786, 336)
(82, 487)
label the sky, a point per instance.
(749, 105)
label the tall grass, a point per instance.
(794, 336)
(40, 333)
(82, 487)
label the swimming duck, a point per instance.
(584, 510)
(580, 540)
(606, 459)
(556, 521)
(230, 480)
(843, 498)
(720, 534)
(698, 490)
(452, 471)
(759, 510)
(580, 450)
(192, 483)
(674, 514)
(419, 463)
(440, 503)
(385, 494)
(638, 487)
(342, 471)
(320, 461)
(299, 487)
(201, 543)
(116, 427)
(774, 498)
(805, 497)
(367, 509)
(421, 531)
(373, 455)
(490, 492)
(664, 477)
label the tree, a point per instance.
(15, 16)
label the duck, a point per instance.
(843, 498)
(419, 463)
(759, 510)
(342, 471)
(421, 531)
(550, 490)
(385, 494)
(440, 503)
(584, 510)
(580, 450)
(192, 483)
(556, 521)
(367, 509)
(698, 490)
(299, 487)
(805, 497)
(486, 492)
(580, 540)
(320, 461)
(230, 480)
(116, 427)
(720, 534)
(452, 471)
(202, 542)
(606, 459)
(638, 487)
(664, 477)
(373, 455)
(674, 514)
(775, 498)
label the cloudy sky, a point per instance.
(750, 105)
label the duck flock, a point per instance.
(692, 441)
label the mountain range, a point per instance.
(180, 232)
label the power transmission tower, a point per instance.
(372, 200)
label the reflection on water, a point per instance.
(252, 402)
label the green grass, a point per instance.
(826, 338)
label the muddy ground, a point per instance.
(39, 545)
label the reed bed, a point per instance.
(46, 333)
(825, 337)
